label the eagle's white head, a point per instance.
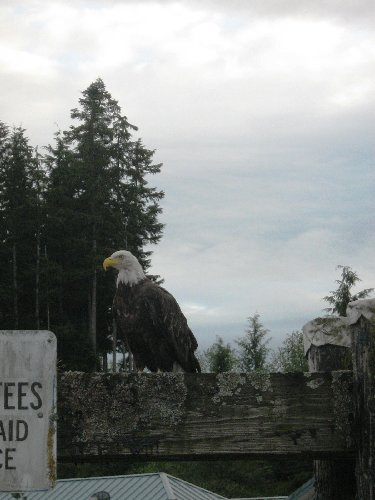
(129, 269)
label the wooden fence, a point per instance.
(327, 414)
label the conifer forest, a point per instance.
(64, 206)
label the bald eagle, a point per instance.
(149, 319)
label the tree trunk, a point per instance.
(37, 280)
(47, 289)
(93, 303)
(15, 288)
(105, 362)
(114, 346)
(132, 367)
(37, 263)
(93, 311)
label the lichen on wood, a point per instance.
(228, 384)
(342, 389)
(186, 416)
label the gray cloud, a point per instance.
(261, 113)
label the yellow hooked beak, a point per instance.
(109, 262)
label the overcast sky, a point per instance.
(262, 113)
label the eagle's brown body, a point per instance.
(154, 328)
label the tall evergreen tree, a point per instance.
(5, 285)
(221, 358)
(59, 215)
(142, 207)
(340, 298)
(39, 185)
(18, 208)
(253, 346)
(290, 357)
(98, 201)
(65, 246)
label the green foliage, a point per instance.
(74, 351)
(220, 357)
(253, 350)
(61, 214)
(340, 298)
(20, 200)
(290, 357)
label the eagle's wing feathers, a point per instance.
(167, 317)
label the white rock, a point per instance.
(358, 308)
(332, 330)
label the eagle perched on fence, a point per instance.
(149, 319)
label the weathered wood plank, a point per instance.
(202, 416)
(362, 320)
(334, 479)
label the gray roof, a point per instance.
(305, 492)
(158, 486)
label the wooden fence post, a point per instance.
(327, 345)
(361, 316)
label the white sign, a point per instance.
(27, 410)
